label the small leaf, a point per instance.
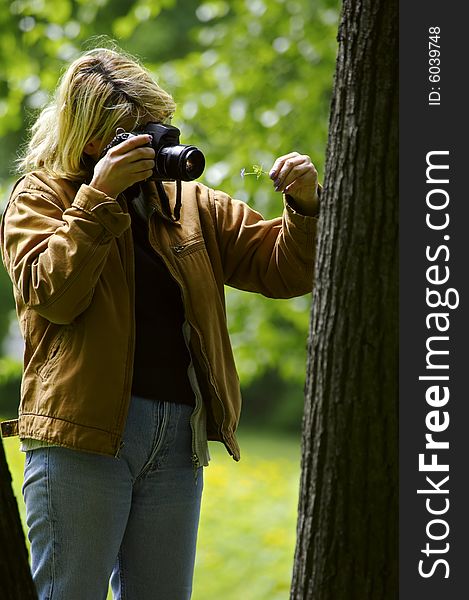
(257, 171)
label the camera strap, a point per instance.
(165, 200)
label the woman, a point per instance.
(128, 368)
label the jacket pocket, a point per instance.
(57, 348)
(188, 246)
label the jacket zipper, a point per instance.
(131, 345)
(178, 250)
(188, 248)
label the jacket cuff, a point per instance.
(306, 223)
(290, 202)
(104, 209)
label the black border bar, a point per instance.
(434, 274)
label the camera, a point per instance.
(172, 159)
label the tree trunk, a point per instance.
(347, 545)
(15, 576)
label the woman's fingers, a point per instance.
(279, 163)
(132, 142)
(287, 169)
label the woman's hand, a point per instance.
(123, 165)
(295, 175)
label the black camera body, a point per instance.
(173, 161)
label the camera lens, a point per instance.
(180, 162)
(195, 163)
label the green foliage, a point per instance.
(9, 369)
(252, 80)
(257, 170)
(247, 526)
(273, 402)
(10, 383)
(7, 305)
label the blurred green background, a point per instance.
(252, 80)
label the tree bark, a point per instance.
(15, 576)
(347, 535)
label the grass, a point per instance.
(248, 521)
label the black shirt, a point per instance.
(161, 354)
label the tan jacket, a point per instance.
(68, 250)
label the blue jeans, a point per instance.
(131, 519)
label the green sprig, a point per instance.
(257, 170)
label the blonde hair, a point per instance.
(99, 91)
